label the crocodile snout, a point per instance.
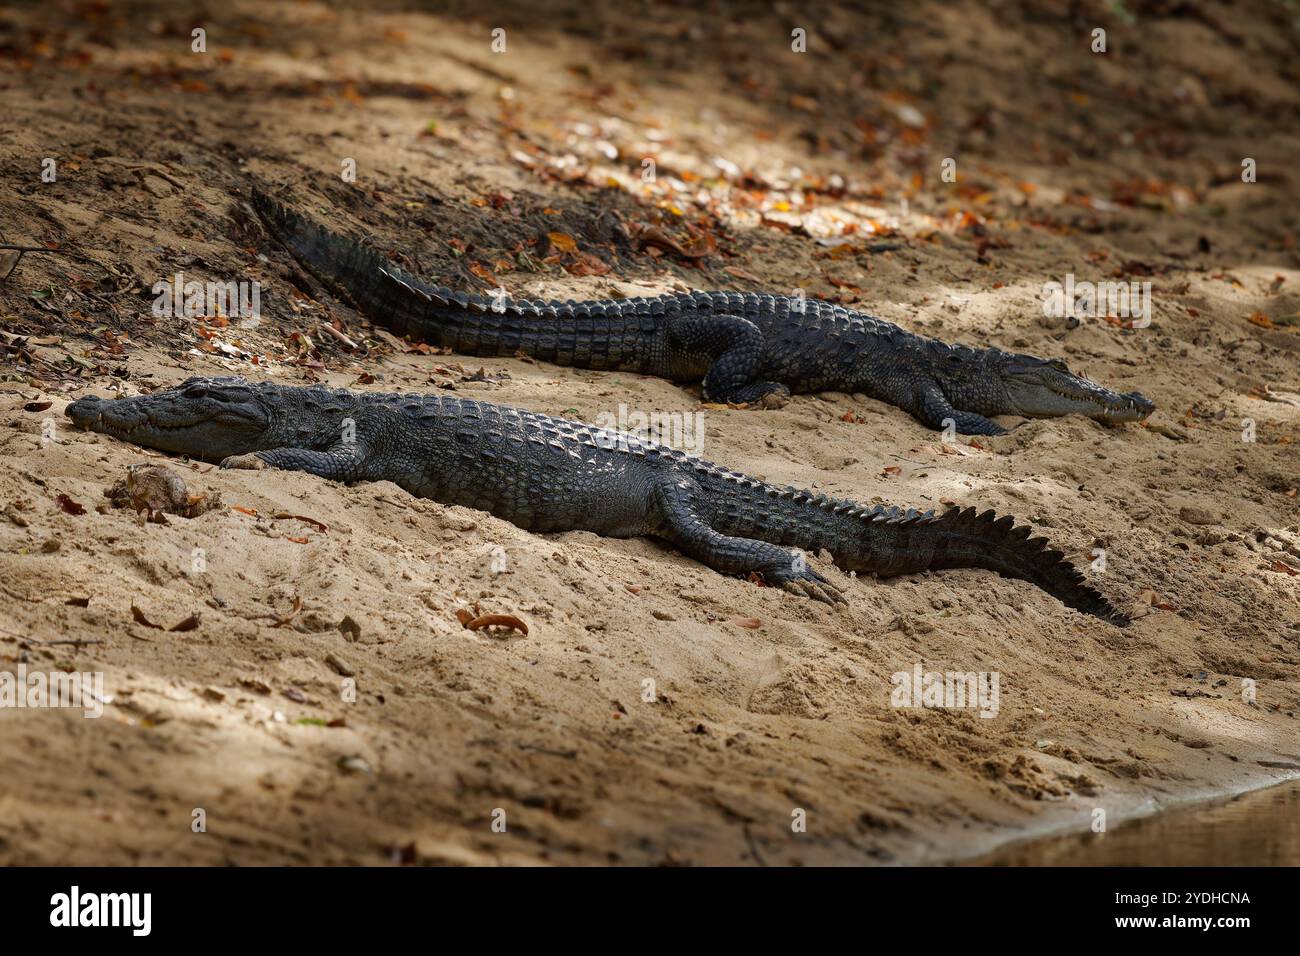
(85, 412)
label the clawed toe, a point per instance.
(826, 593)
(810, 584)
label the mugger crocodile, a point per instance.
(550, 475)
(747, 349)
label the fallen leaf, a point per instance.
(9, 262)
(297, 607)
(141, 619)
(68, 505)
(654, 237)
(495, 620)
(740, 273)
(562, 241)
(318, 525)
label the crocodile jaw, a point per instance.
(204, 427)
(1038, 388)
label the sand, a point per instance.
(328, 707)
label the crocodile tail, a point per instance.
(897, 542)
(355, 273)
(598, 335)
(889, 541)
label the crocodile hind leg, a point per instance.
(780, 567)
(936, 411)
(736, 346)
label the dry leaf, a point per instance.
(496, 620)
(562, 241)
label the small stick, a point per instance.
(78, 642)
(327, 327)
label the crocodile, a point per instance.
(551, 475)
(746, 349)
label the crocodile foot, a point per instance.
(804, 581)
(250, 461)
(773, 399)
(753, 395)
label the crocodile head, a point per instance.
(205, 418)
(993, 382)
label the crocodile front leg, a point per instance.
(936, 411)
(344, 462)
(735, 346)
(779, 567)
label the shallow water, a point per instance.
(1261, 828)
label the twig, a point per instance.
(753, 846)
(339, 336)
(78, 642)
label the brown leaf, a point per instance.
(586, 264)
(740, 273)
(68, 505)
(9, 262)
(654, 237)
(318, 525)
(297, 607)
(141, 619)
(189, 624)
(36, 406)
(749, 623)
(496, 620)
(562, 241)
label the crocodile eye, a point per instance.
(196, 391)
(1059, 365)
